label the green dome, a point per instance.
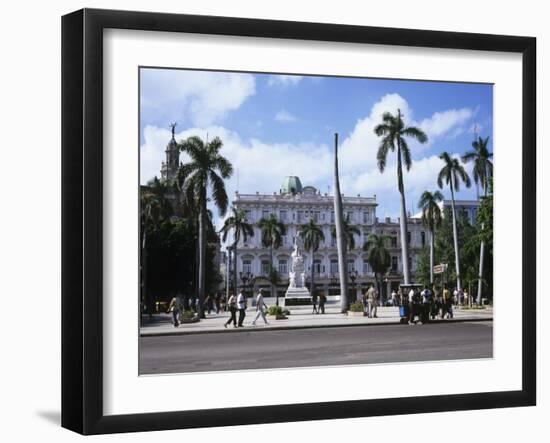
(291, 185)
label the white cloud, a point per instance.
(285, 117)
(261, 166)
(442, 122)
(193, 97)
(284, 80)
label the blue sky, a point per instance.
(277, 125)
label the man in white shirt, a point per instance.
(411, 307)
(241, 306)
(260, 308)
(394, 298)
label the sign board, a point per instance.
(440, 269)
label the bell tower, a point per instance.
(169, 168)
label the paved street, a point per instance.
(315, 347)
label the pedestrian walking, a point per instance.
(207, 304)
(232, 307)
(394, 298)
(175, 308)
(322, 301)
(217, 302)
(412, 300)
(241, 306)
(365, 301)
(373, 301)
(260, 308)
(314, 303)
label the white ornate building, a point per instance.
(294, 205)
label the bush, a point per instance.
(356, 307)
(275, 310)
(188, 314)
(286, 312)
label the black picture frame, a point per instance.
(82, 259)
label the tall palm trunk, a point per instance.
(235, 268)
(145, 292)
(340, 235)
(274, 292)
(403, 218)
(312, 285)
(432, 235)
(481, 259)
(455, 235)
(202, 258)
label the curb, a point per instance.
(286, 328)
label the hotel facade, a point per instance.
(294, 205)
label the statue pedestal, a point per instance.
(297, 297)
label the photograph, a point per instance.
(290, 220)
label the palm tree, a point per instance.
(205, 171)
(272, 238)
(154, 209)
(393, 132)
(312, 236)
(431, 218)
(350, 231)
(482, 171)
(378, 256)
(237, 223)
(340, 233)
(452, 174)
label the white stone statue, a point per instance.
(292, 279)
(297, 290)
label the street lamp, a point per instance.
(353, 276)
(245, 277)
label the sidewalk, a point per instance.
(299, 319)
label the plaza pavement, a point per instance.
(299, 319)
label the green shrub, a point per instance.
(286, 312)
(275, 310)
(356, 307)
(188, 314)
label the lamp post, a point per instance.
(353, 276)
(245, 277)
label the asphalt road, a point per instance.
(315, 347)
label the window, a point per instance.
(265, 267)
(248, 215)
(365, 236)
(409, 237)
(393, 242)
(366, 268)
(282, 267)
(351, 265)
(367, 218)
(282, 215)
(317, 216)
(349, 217)
(394, 263)
(334, 266)
(323, 216)
(300, 216)
(247, 267)
(265, 214)
(317, 266)
(423, 235)
(332, 216)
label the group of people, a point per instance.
(239, 304)
(318, 303)
(370, 302)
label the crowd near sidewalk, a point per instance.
(240, 313)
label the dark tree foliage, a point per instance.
(171, 265)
